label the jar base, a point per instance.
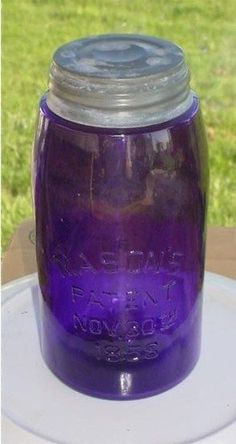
(122, 395)
(122, 381)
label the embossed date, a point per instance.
(124, 330)
(125, 352)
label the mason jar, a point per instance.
(120, 180)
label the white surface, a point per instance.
(201, 405)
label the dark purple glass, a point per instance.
(120, 230)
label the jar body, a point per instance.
(120, 243)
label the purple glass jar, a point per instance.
(120, 188)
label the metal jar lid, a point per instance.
(119, 81)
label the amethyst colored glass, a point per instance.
(120, 239)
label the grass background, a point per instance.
(33, 29)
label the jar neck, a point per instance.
(118, 118)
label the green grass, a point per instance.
(33, 29)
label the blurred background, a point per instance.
(33, 29)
